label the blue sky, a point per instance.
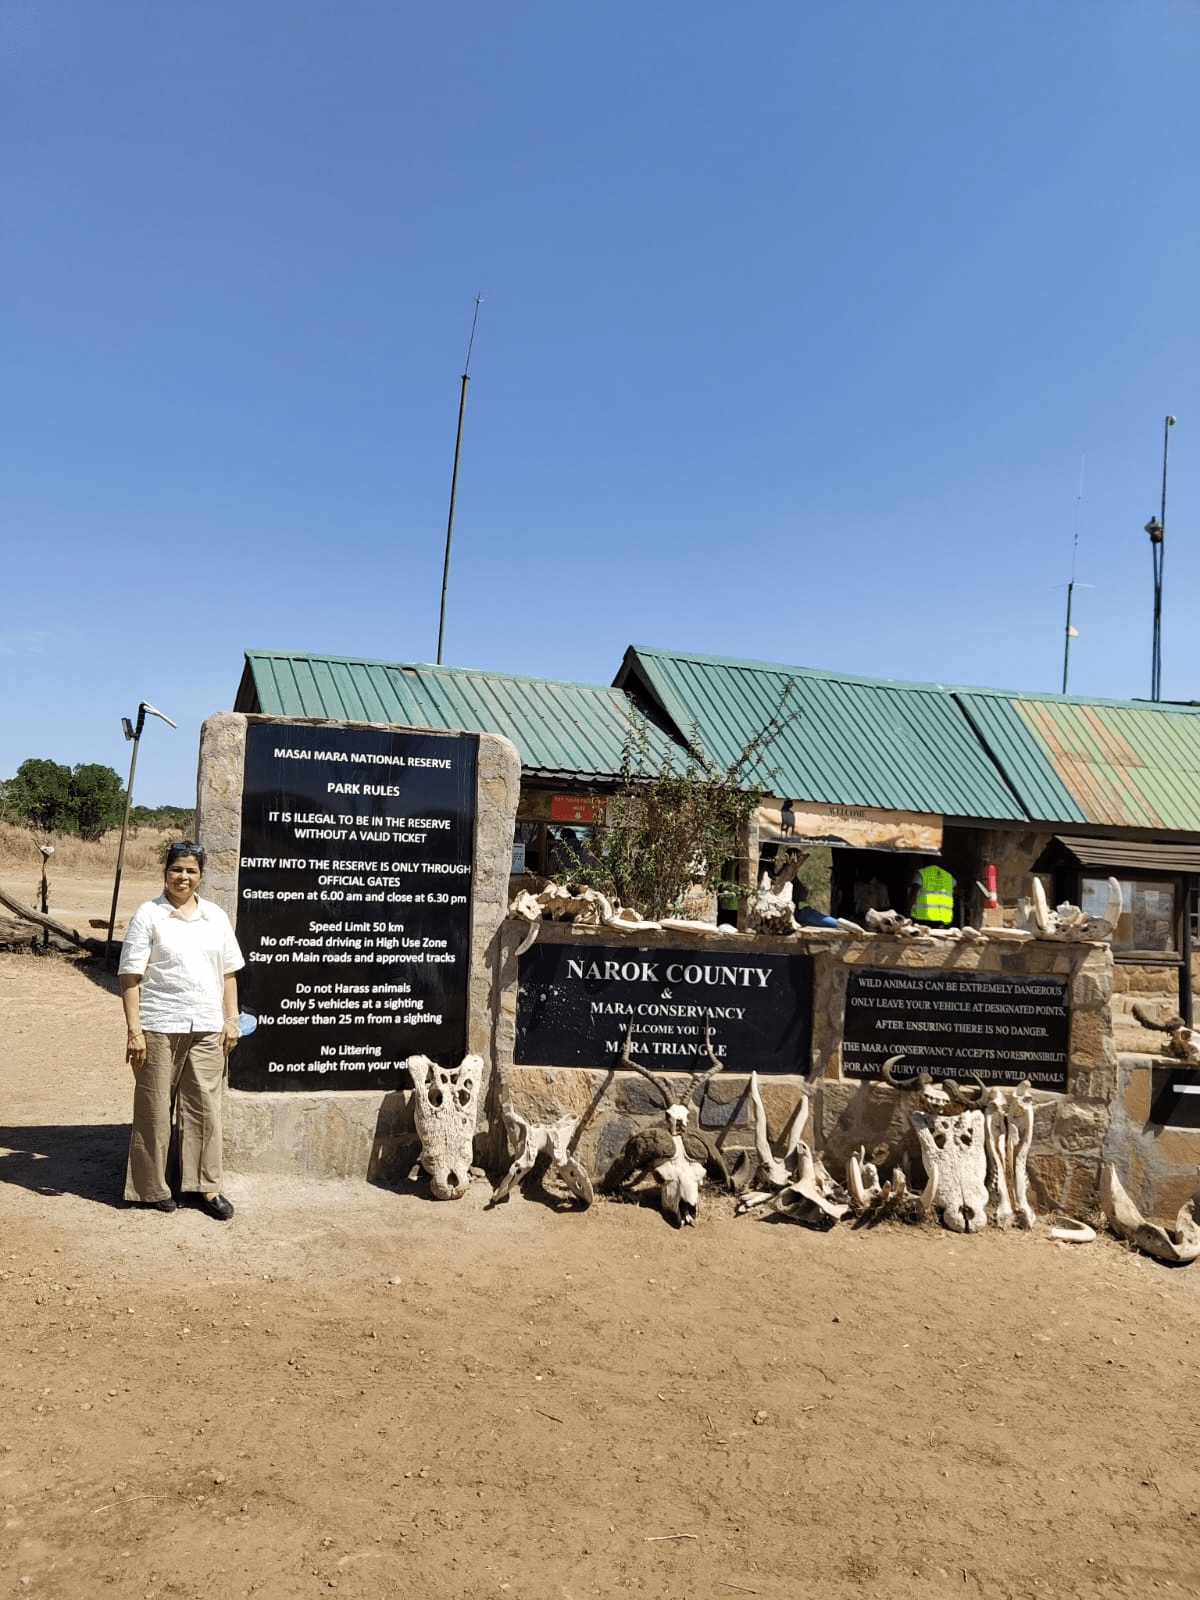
(799, 321)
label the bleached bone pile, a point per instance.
(1066, 922)
(589, 908)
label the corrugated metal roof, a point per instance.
(1113, 763)
(1120, 855)
(847, 741)
(890, 745)
(561, 730)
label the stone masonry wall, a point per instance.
(1069, 1132)
(1102, 1116)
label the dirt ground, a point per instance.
(354, 1388)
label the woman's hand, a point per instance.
(230, 1034)
(135, 1048)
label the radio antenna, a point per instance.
(1070, 631)
(462, 407)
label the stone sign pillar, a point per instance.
(365, 867)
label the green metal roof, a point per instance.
(1113, 763)
(847, 741)
(894, 746)
(561, 730)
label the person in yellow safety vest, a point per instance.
(933, 901)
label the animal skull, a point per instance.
(445, 1102)
(955, 1158)
(529, 1140)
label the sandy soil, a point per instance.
(353, 1388)
(82, 901)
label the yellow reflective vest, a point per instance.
(935, 896)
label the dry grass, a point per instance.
(19, 849)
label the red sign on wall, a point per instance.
(569, 808)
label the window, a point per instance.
(540, 848)
(1148, 920)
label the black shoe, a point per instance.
(217, 1206)
(162, 1205)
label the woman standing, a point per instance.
(177, 983)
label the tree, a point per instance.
(97, 798)
(671, 831)
(54, 799)
(178, 817)
(40, 795)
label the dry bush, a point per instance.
(19, 851)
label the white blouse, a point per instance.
(183, 962)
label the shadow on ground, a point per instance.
(86, 1160)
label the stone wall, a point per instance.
(337, 1133)
(1070, 1132)
(354, 1133)
(1156, 1164)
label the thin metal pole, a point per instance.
(462, 407)
(1157, 551)
(112, 915)
(1067, 641)
(1071, 585)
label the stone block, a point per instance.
(1096, 1083)
(1079, 1127)
(1089, 1031)
(726, 1103)
(1090, 991)
(331, 1134)
(869, 1114)
(219, 805)
(1067, 1183)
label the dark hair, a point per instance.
(181, 848)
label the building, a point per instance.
(884, 774)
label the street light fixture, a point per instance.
(135, 733)
(1157, 529)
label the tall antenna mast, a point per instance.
(462, 407)
(1070, 631)
(1157, 529)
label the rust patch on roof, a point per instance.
(1095, 761)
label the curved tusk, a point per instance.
(761, 1143)
(929, 1193)
(1072, 1232)
(854, 1179)
(798, 1127)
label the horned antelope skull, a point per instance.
(796, 1184)
(678, 1156)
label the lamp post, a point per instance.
(134, 733)
(1157, 529)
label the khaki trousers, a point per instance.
(184, 1070)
